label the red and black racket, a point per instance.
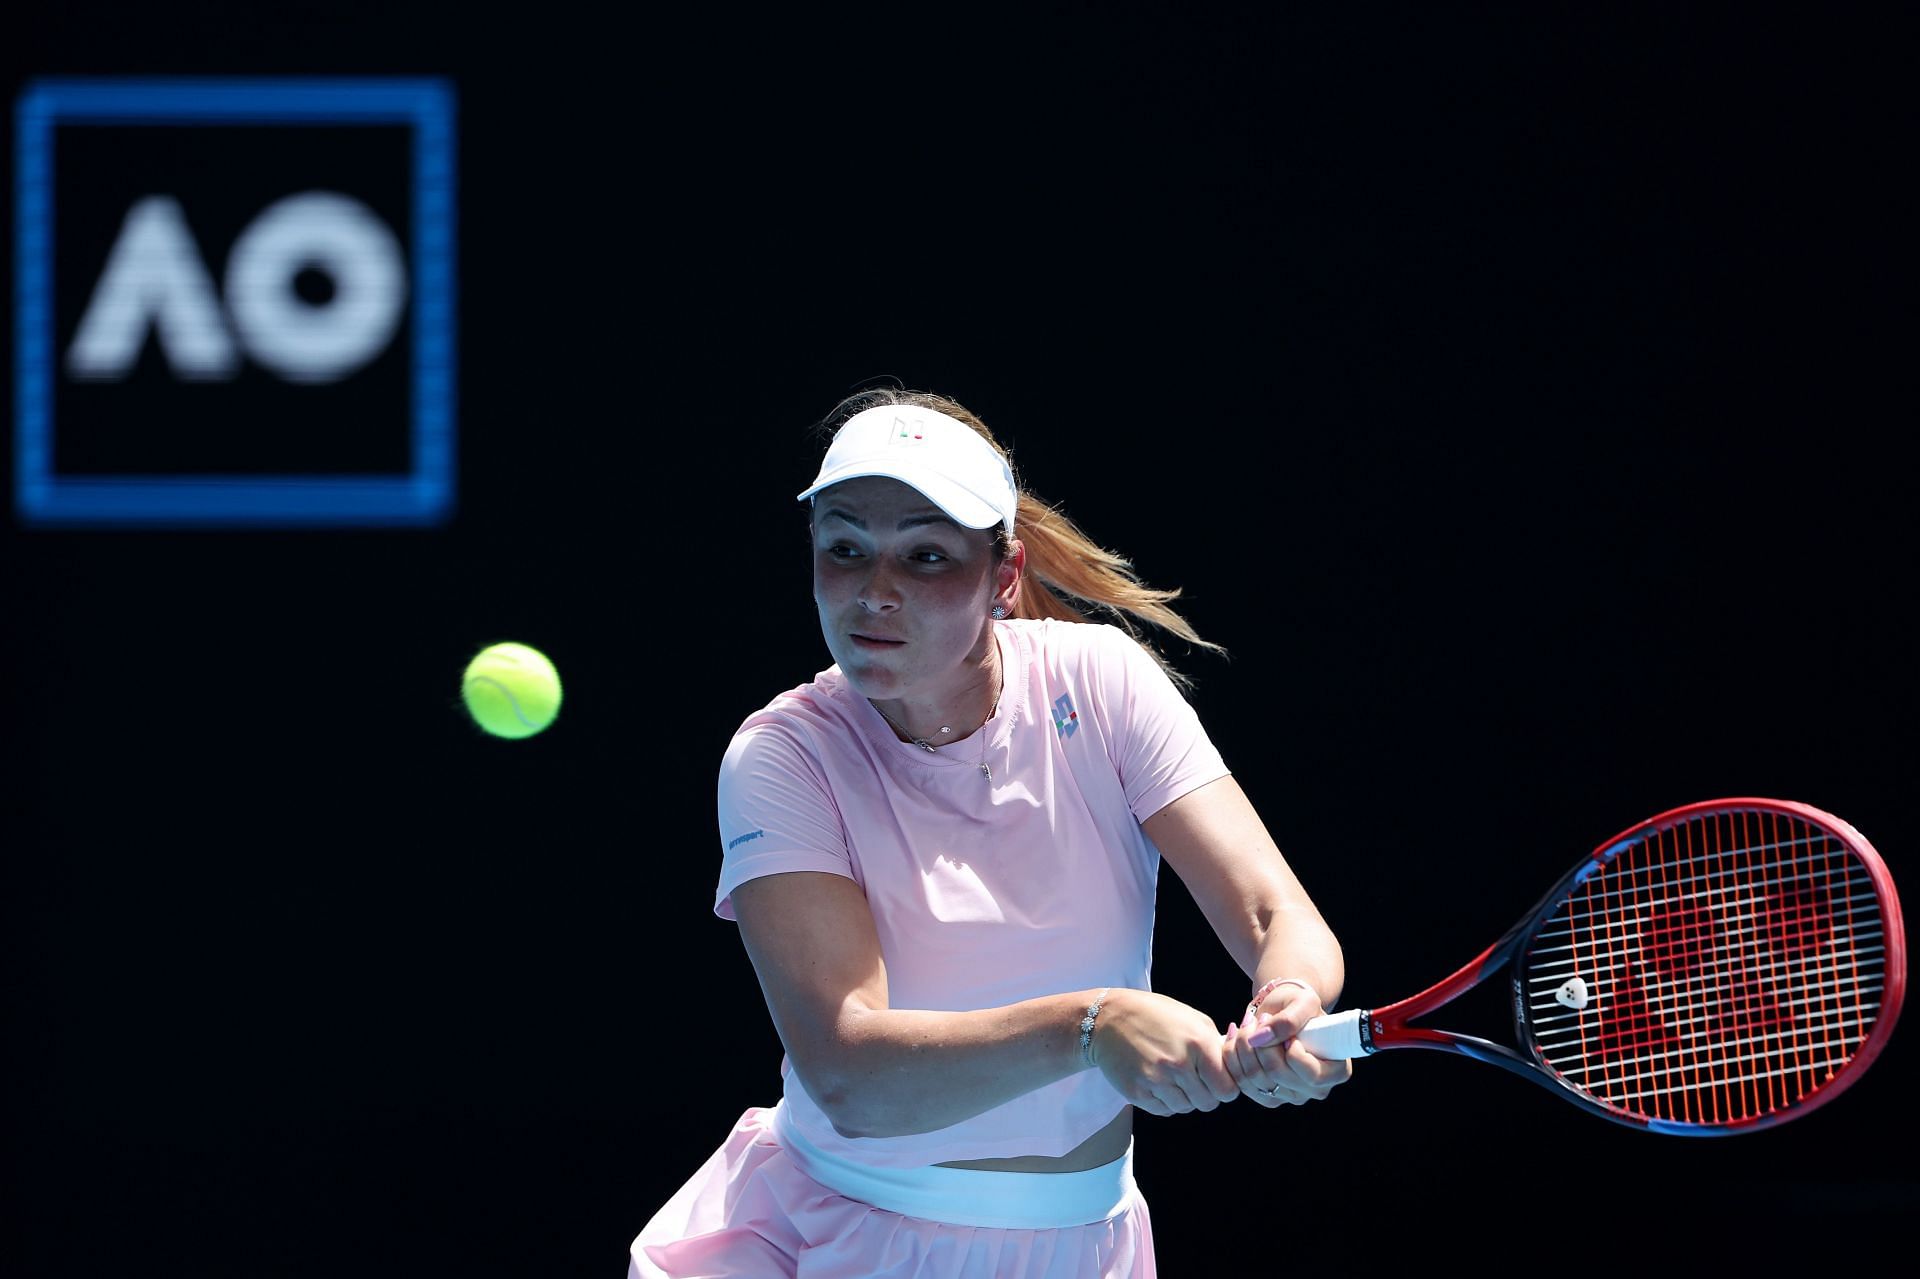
(1720, 968)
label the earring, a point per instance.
(998, 610)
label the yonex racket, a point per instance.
(1720, 968)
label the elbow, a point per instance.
(852, 1113)
(848, 1126)
(859, 1086)
(849, 1102)
(838, 1103)
(866, 1105)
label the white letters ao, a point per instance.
(155, 278)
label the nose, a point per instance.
(879, 593)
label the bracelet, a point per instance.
(1086, 1026)
(1259, 996)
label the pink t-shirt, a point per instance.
(984, 892)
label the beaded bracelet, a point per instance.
(1086, 1026)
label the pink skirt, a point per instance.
(752, 1212)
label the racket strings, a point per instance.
(1727, 943)
(1728, 967)
(1623, 1058)
(1554, 963)
(1689, 1008)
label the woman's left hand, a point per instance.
(1263, 1058)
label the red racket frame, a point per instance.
(1387, 1027)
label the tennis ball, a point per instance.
(511, 690)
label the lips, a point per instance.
(876, 641)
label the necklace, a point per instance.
(932, 749)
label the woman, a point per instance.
(942, 854)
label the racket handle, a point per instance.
(1334, 1037)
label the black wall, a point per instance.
(1519, 396)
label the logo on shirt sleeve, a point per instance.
(1066, 720)
(738, 840)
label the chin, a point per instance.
(872, 681)
(868, 677)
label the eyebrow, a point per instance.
(911, 521)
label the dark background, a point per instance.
(1518, 395)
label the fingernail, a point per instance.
(1261, 1037)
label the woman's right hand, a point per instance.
(1160, 1054)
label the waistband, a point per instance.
(969, 1196)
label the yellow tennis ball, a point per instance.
(511, 690)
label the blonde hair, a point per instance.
(1068, 576)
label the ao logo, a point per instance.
(156, 280)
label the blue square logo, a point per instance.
(234, 302)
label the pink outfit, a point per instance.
(751, 1213)
(984, 891)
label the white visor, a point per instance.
(949, 462)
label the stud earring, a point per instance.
(998, 611)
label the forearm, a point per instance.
(1219, 846)
(1294, 942)
(887, 1072)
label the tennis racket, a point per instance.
(1721, 968)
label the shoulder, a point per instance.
(1099, 651)
(797, 727)
(1051, 639)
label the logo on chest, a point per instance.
(1066, 720)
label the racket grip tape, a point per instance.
(1335, 1036)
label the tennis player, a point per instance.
(942, 854)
